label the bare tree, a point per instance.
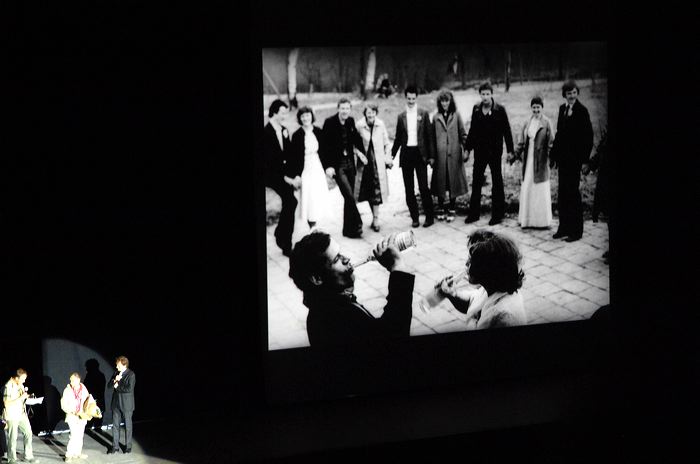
(520, 62)
(292, 77)
(371, 70)
(508, 57)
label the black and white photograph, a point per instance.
(345, 232)
(420, 190)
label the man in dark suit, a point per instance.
(326, 277)
(572, 147)
(275, 149)
(123, 382)
(414, 138)
(489, 128)
(339, 140)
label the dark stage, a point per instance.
(131, 226)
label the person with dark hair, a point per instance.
(535, 143)
(15, 414)
(339, 142)
(385, 88)
(304, 163)
(570, 152)
(494, 264)
(371, 183)
(326, 277)
(449, 176)
(72, 402)
(489, 129)
(275, 148)
(414, 136)
(123, 382)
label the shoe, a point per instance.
(30, 460)
(440, 216)
(572, 238)
(375, 227)
(495, 220)
(429, 222)
(469, 219)
(450, 216)
(415, 224)
(127, 451)
(353, 235)
(559, 234)
(112, 451)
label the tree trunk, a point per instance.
(520, 59)
(508, 57)
(341, 75)
(560, 63)
(371, 69)
(292, 77)
(363, 70)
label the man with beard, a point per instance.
(326, 277)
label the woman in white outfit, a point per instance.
(72, 401)
(535, 143)
(304, 166)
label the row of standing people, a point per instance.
(538, 149)
(443, 144)
(79, 407)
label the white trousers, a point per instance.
(77, 430)
(14, 428)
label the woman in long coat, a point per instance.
(371, 183)
(535, 143)
(449, 174)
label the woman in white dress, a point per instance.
(304, 165)
(535, 142)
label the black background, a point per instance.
(128, 210)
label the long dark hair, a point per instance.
(446, 95)
(494, 262)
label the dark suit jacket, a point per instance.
(574, 138)
(425, 145)
(334, 319)
(295, 159)
(487, 133)
(275, 157)
(331, 151)
(123, 396)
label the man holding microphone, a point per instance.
(15, 414)
(123, 382)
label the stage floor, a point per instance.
(52, 448)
